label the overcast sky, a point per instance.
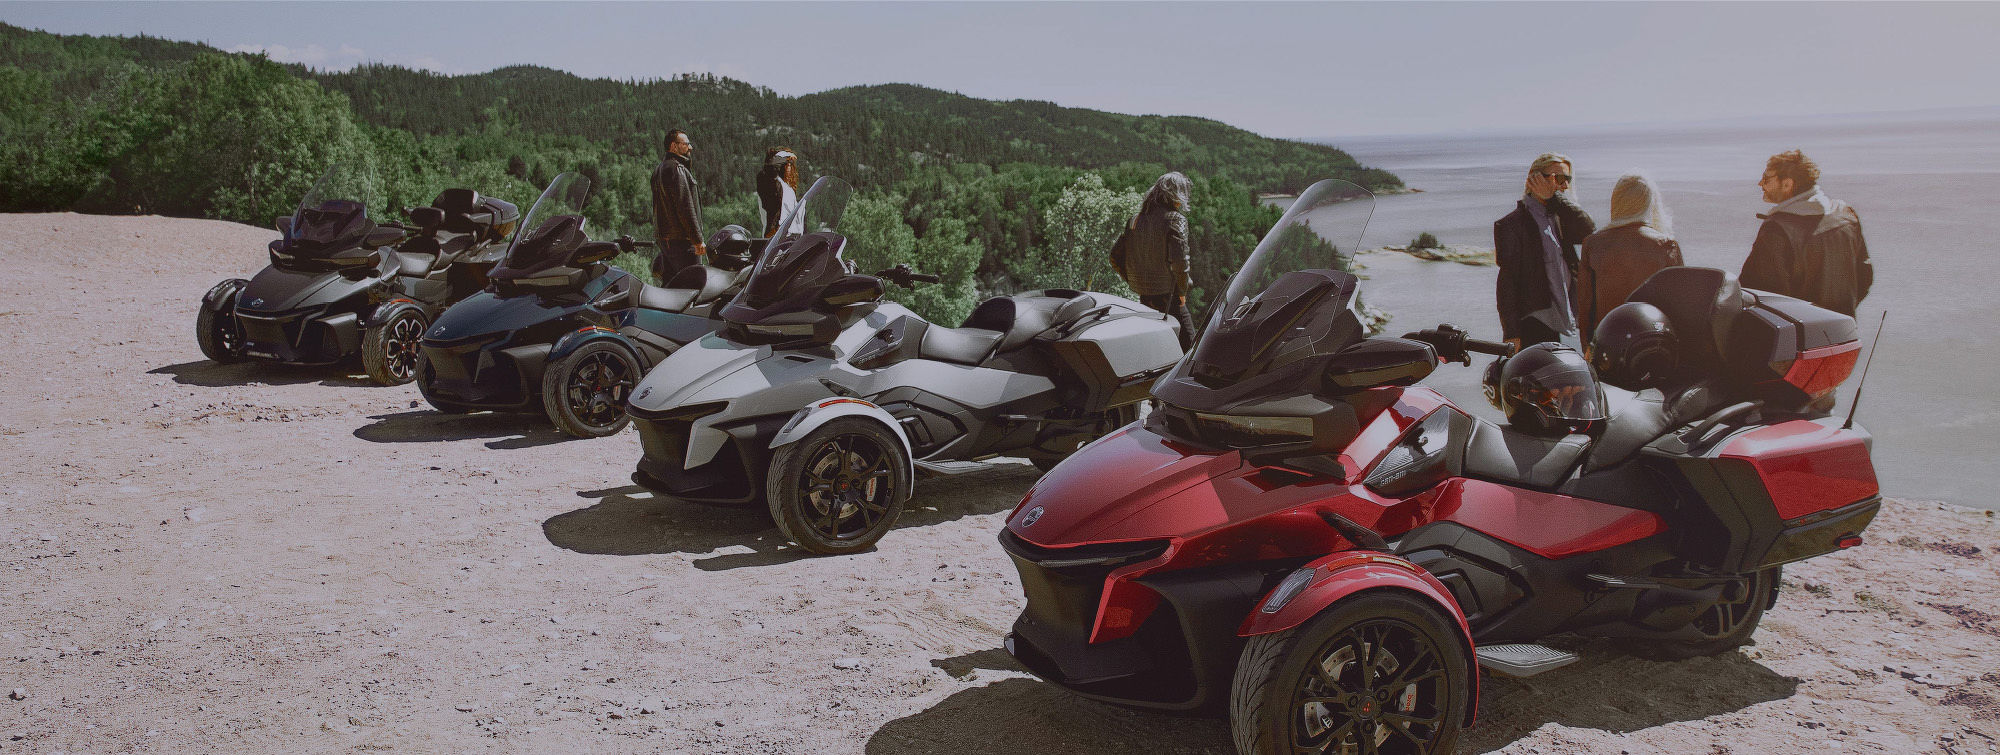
(1281, 69)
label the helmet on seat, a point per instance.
(1635, 347)
(1549, 389)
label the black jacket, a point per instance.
(1517, 247)
(676, 208)
(1812, 250)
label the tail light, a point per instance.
(1819, 371)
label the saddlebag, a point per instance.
(1114, 358)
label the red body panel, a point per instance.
(1384, 413)
(1129, 471)
(1549, 525)
(1806, 466)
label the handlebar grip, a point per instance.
(925, 277)
(1495, 348)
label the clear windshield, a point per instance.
(556, 217)
(801, 259)
(819, 210)
(333, 215)
(342, 182)
(1294, 296)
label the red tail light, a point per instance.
(1847, 541)
(1818, 371)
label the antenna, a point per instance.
(1864, 371)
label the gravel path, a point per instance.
(200, 558)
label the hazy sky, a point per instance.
(1282, 69)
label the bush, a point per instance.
(1425, 241)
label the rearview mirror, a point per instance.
(284, 225)
(852, 289)
(1380, 361)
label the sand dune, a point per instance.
(199, 558)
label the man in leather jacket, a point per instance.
(676, 211)
(1535, 246)
(1810, 245)
(1152, 256)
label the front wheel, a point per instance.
(218, 334)
(389, 350)
(1379, 672)
(584, 393)
(839, 489)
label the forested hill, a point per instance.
(991, 196)
(873, 133)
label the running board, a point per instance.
(1524, 659)
(949, 468)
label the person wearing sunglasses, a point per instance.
(1810, 245)
(1535, 246)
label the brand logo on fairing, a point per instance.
(1034, 515)
(256, 302)
(643, 394)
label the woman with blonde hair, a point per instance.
(777, 186)
(1635, 244)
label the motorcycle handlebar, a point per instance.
(903, 276)
(924, 278)
(1453, 345)
(1495, 348)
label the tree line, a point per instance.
(993, 196)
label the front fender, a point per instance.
(1344, 574)
(818, 413)
(223, 296)
(575, 339)
(387, 310)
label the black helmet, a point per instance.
(1549, 389)
(731, 240)
(1634, 346)
(1491, 381)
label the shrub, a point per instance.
(1425, 241)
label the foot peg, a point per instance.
(1523, 659)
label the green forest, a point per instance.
(993, 196)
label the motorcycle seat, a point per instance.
(1635, 420)
(666, 299)
(415, 264)
(968, 346)
(1021, 317)
(1503, 454)
(706, 283)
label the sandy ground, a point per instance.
(196, 558)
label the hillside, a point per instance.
(992, 196)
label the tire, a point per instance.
(221, 339)
(839, 489)
(389, 350)
(1271, 700)
(425, 375)
(1725, 626)
(584, 393)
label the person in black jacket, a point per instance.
(1152, 255)
(676, 211)
(1810, 245)
(1535, 246)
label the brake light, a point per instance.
(1819, 371)
(1847, 541)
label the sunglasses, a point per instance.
(1557, 177)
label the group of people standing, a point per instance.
(677, 206)
(1809, 247)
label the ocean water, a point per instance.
(1928, 192)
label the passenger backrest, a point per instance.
(1702, 303)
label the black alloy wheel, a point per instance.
(1378, 673)
(389, 351)
(1377, 687)
(1729, 624)
(840, 488)
(219, 335)
(584, 394)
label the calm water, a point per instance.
(1929, 196)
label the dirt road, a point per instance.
(203, 558)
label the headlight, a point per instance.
(1251, 432)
